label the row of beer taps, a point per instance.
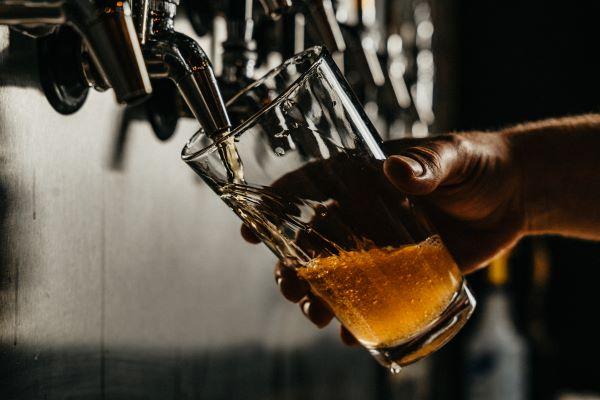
(382, 46)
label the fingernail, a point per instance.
(305, 306)
(415, 166)
(400, 169)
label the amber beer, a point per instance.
(386, 296)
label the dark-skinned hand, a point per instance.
(469, 186)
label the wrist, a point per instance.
(528, 196)
(536, 161)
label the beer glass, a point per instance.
(303, 170)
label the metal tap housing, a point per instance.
(107, 29)
(172, 55)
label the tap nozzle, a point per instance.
(173, 55)
(198, 85)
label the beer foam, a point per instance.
(385, 296)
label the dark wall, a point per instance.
(522, 61)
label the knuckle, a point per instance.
(462, 144)
(429, 156)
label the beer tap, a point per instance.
(236, 54)
(396, 102)
(424, 63)
(239, 53)
(410, 68)
(177, 57)
(106, 28)
(321, 14)
(239, 50)
(359, 26)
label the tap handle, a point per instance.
(322, 15)
(107, 29)
(115, 48)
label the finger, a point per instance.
(347, 338)
(292, 287)
(316, 310)
(249, 235)
(423, 168)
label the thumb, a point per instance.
(420, 170)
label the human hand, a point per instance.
(471, 187)
(468, 184)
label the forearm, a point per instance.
(559, 163)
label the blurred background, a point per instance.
(122, 276)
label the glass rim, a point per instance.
(319, 51)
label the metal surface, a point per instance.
(173, 55)
(239, 50)
(106, 27)
(28, 13)
(129, 280)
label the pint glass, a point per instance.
(303, 170)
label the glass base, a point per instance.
(437, 335)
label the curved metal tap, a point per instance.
(107, 29)
(173, 55)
